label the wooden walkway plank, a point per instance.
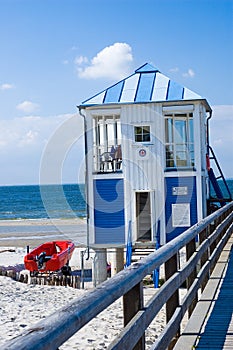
(216, 334)
(211, 324)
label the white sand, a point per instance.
(23, 305)
(33, 232)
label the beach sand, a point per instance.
(25, 304)
(20, 233)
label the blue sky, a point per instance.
(55, 54)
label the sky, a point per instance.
(56, 54)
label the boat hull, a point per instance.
(49, 256)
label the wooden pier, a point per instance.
(207, 274)
(211, 324)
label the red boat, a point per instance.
(49, 257)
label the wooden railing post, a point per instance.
(190, 249)
(202, 237)
(171, 267)
(211, 229)
(132, 303)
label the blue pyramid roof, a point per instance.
(147, 84)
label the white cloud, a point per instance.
(80, 60)
(223, 113)
(74, 48)
(27, 107)
(221, 137)
(189, 74)
(29, 138)
(25, 140)
(113, 62)
(174, 70)
(19, 133)
(6, 86)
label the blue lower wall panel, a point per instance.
(179, 183)
(109, 214)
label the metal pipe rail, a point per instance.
(212, 234)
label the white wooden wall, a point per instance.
(147, 173)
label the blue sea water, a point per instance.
(49, 201)
(41, 202)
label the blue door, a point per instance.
(109, 211)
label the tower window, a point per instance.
(107, 152)
(142, 133)
(179, 140)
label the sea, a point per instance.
(42, 202)
(50, 201)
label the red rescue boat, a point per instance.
(49, 257)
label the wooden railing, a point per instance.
(211, 234)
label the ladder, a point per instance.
(220, 198)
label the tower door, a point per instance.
(143, 212)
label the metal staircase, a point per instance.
(140, 252)
(219, 199)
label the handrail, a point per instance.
(54, 330)
(220, 171)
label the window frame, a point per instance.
(180, 149)
(106, 134)
(144, 133)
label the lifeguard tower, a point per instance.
(147, 175)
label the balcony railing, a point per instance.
(108, 161)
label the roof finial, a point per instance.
(146, 68)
